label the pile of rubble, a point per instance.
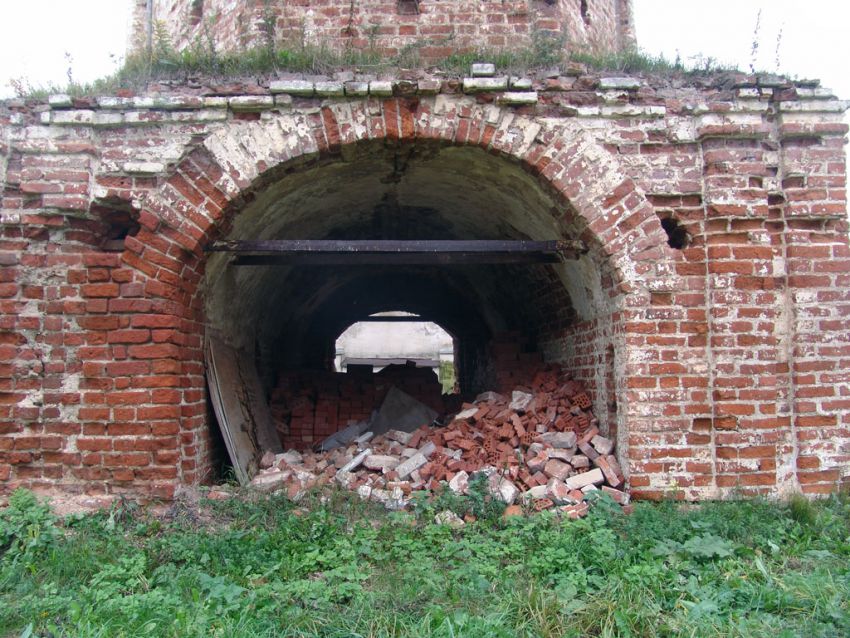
(540, 448)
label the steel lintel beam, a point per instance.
(389, 252)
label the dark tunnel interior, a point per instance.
(290, 316)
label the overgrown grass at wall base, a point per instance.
(264, 566)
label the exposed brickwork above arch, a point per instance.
(602, 203)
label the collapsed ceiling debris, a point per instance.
(540, 447)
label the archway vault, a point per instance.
(404, 169)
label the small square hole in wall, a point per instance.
(408, 7)
(118, 222)
(677, 236)
(585, 12)
(196, 12)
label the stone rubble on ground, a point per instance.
(539, 449)
(448, 517)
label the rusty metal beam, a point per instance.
(391, 259)
(389, 252)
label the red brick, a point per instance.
(159, 412)
(99, 290)
(94, 445)
(129, 459)
(154, 351)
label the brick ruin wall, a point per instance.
(308, 406)
(428, 30)
(722, 366)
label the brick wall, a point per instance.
(309, 406)
(426, 29)
(722, 365)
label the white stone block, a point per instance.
(483, 70)
(293, 87)
(380, 88)
(480, 85)
(594, 477)
(514, 98)
(251, 102)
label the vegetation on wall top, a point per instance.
(202, 61)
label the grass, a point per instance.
(140, 69)
(334, 566)
(203, 60)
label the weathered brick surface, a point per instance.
(308, 406)
(426, 29)
(718, 367)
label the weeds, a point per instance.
(754, 45)
(802, 510)
(27, 528)
(335, 566)
(162, 62)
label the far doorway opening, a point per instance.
(398, 338)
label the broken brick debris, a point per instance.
(537, 447)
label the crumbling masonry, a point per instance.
(708, 319)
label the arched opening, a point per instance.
(505, 319)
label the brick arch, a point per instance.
(197, 203)
(202, 196)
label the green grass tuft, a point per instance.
(802, 510)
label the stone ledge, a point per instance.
(566, 92)
(330, 89)
(293, 87)
(627, 83)
(815, 106)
